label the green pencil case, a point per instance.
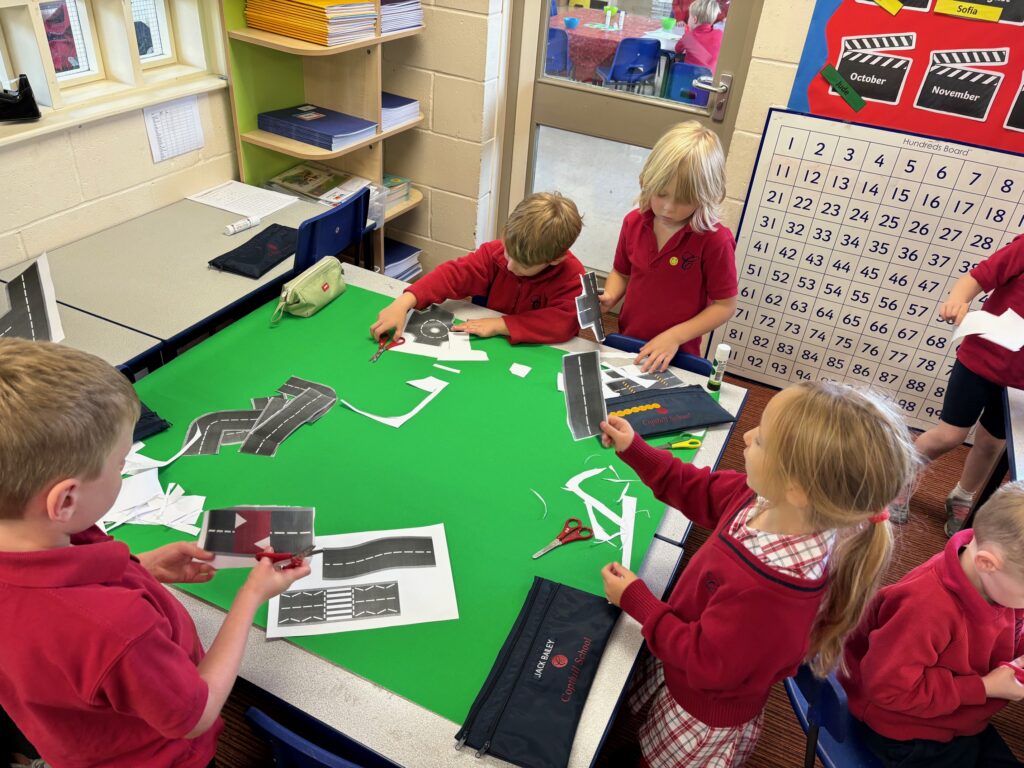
(311, 291)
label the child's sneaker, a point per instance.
(957, 510)
(899, 510)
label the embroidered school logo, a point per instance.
(687, 262)
(711, 584)
(559, 661)
(536, 302)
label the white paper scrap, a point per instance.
(542, 502)
(174, 128)
(136, 462)
(560, 382)
(430, 384)
(520, 370)
(628, 521)
(446, 368)
(1008, 331)
(137, 490)
(243, 199)
(50, 296)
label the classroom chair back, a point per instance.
(683, 360)
(333, 231)
(679, 85)
(832, 733)
(635, 63)
(557, 62)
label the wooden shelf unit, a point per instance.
(268, 71)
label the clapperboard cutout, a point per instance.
(873, 75)
(908, 5)
(953, 85)
(1015, 119)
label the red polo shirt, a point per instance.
(99, 660)
(1002, 276)
(675, 284)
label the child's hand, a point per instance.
(607, 301)
(175, 563)
(484, 328)
(265, 581)
(616, 579)
(658, 352)
(618, 432)
(393, 316)
(953, 311)
(1001, 683)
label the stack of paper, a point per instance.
(318, 183)
(326, 22)
(400, 14)
(401, 261)
(396, 110)
(142, 501)
(398, 188)
(315, 125)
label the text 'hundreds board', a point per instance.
(851, 238)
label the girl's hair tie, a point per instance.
(879, 517)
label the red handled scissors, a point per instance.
(385, 343)
(573, 530)
(289, 559)
(1018, 672)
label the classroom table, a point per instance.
(469, 459)
(589, 47)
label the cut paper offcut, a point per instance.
(573, 485)
(1005, 330)
(433, 386)
(626, 529)
(135, 462)
(517, 369)
(142, 501)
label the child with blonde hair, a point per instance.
(702, 41)
(938, 652)
(675, 262)
(530, 275)
(800, 541)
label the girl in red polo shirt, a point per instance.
(799, 544)
(675, 262)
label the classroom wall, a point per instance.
(63, 186)
(452, 68)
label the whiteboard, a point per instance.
(851, 238)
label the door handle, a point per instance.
(707, 83)
(721, 89)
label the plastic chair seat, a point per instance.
(635, 63)
(557, 60)
(683, 360)
(679, 84)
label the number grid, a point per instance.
(852, 238)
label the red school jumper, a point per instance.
(732, 627)
(99, 660)
(539, 309)
(916, 660)
(1001, 275)
(675, 284)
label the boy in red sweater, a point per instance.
(104, 666)
(529, 275)
(797, 549)
(926, 667)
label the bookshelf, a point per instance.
(268, 71)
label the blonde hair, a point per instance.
(689, 164)
(61, 414)
(541, 228)
(850, 452)
(1000, 521)
(704, 12)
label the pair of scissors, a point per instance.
(573, 530)
(1018, 672)
(385, 343)
(688, 442)
(290, 560)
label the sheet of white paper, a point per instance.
(430, 384)
(50, 294)
(628, 521)
(975, 323)
(520, 370)
(425, 593)
(243, 199)
(1009, 332)
(136, 462)
(174, 128)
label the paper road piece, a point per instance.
(430, 384)
(236, 534)
(584, 399)
(588, 306)
(428, 334)
(406, 579)
(243, 199)
(520, 370)
(1006, 330)
(32, 303)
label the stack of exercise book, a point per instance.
(397, 188)
(401, 261)
(318, 183)
(326, 22)
(395, 110)
(400, 14)
(315, 125)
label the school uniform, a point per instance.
(539, 309)
(100, 660)
(674, 284)
(737, 622)
(701, 45)
(915, 662)
(983, 369)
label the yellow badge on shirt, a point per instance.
(674, 261)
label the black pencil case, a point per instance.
(529, 706)
(666, 411)
(259, 254)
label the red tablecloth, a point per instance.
(589, 47)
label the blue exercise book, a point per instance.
(315, 125)
(394, 101)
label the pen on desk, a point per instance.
(241, 225)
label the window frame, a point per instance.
(69, 80)
(165, 13)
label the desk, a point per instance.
(589, 47)
(151, 275)
(113, 343)
(468, 459)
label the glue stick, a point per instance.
(241, 225)
(718, 367)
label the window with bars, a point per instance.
(152, 29)
(69, 36)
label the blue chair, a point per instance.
(554, 8)
(557, 61)
(683, 360)
(333, 231)
(679, 84)
(309, 743)
(832, 733)
(634, 66)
